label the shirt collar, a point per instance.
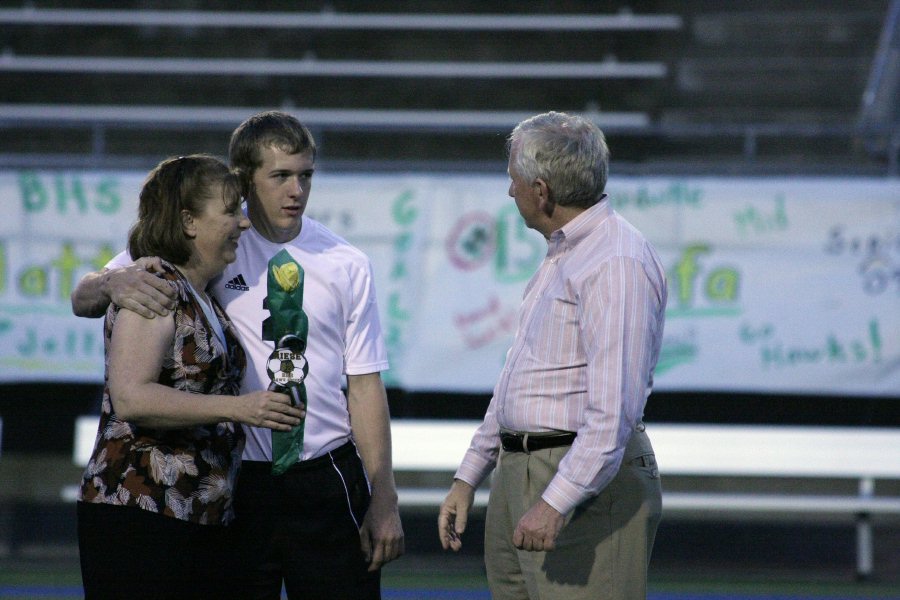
(581, 226)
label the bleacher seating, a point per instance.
(432, 86)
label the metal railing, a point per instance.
(622, 21)
(313, 67)
(100, 120)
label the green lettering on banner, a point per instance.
(686, 270)
(103, 257)
(34, 196)
(33, 282)
(73, 192)
(394, 307)
(674, 355)
(66, 263)
(878, 255)
(403, 211)
(109, 201)
(399, 271)
(512, 264)
(28, 346)
(676, 194)
(404, 214)
(70, 343)
(402, 244)
(69, 194)
(749, 334)
(875, 337)
(720, 287)
(834, 349)
(752, 220)
(3, 269)
(393, 336)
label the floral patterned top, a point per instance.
(187, 473)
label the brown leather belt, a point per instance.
(529, 442)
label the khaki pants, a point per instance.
(604, 548)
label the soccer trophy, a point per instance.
(287, 326)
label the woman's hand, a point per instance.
(268, 409)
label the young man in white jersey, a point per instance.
(327, 524)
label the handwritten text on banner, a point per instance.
(776, 285)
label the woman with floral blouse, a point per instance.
(156, 496)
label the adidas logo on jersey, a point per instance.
(238, 283)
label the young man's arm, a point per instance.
(134, 287)
(381, 534)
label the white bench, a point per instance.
(860, 455)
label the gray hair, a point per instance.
(567, 151)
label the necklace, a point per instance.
(211, 317)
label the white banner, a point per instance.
(776, 285)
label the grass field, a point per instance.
(438, 577)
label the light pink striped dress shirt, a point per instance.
(588, 337)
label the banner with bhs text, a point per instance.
(775, 285)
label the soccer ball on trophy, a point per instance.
(287, 363)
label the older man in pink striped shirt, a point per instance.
(576, 499)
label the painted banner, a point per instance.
(775, 285)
